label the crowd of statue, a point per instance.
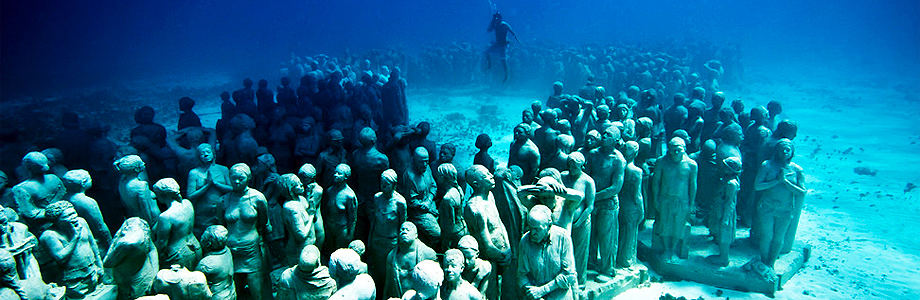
(297, 180)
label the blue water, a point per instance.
(58, 45)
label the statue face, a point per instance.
(486, 180)
(238, 180)
(610, 138)
(445, 156)
(676, 150)
(469, 255)
(452, 269)
(206, 154)
(538, 230)
(420, 161)
(297, 189)
(784, 151)
(339, 176)
(386, 186)
(407, 233)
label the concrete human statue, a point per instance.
(38, 190)
(409, 252)
(246, 216)
(307, 280)
(344, 267)
(673, 189)
(455, 287)
(297, 221)
(17, 242)
(708, 174)
(77, 182)
(418, 186)
(178, 283)
(580, 227)
(133, 259)
(134, 191)
(549, 273)
(11, 287)
(426, 280)
(732, 135)
(632, 207)
(453, 226)
(389, 213)
(172, 233)
(785, 129)
(774, 108)
(711, 116)
(606, 165)
(545, 136)
(621, 114)
(73, 250)
(207, 183)
(476, 271)
(483, 220)
(445, 156)
(313, 193)
(483, 143)
(675, 117)
(557, 160)
(333, 155)
(367, 164)
(755, 136)
(341, 210)
(781, 184)
(500, 46)
(723, 220)
(524, 153)
(217, 263)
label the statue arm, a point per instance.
(60, 252)
(161, 233)
(477, 226)
(262, 223)
(351, 209)
(298, 229)
(654, 187)
(25, 206)
(95, 246)
(194, 190)
(760, 182)
(221, 181)
(589, 204)
(566, 278)
(692, 185)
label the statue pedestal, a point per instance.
(735, 276)
(628, 278)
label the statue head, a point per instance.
(733, 133)
(36, 162)
(367, 137)
(131, 164)
(342, 173)
(205, 153)
(214, 238)
(611, 137)
(644, 127)
(483, 142)
(423, 129)
(291, 185)
(603, 112)
(186, 104)
(521, 132)
(470, 248)
(677, 148)
(539, 221)
(557, 88)
(77, 181)
(453, 265)
(307, 173)
(62, 212)
(479, 178)
(731, 166)
(649, 97)
(630, 151)
(708, 150)
(738, 106)
(309, 259)
(727, 115)
(759, 115)
(344, 265)
(358, 247)
(565, 143)
(239, 177)
(783, 151)
(420, 159)
(786, 129)
(242, 123)
(408, 233)
(447, 174)
(427, 277)
(698, 93)
(285, 81)
(447, 153)
(679, 99)
(682, 134)
(335, 138)
(167, 190)
(527, 116)
(144, 115)
(576, 162)
(263, 83)
(247, 83)
(388, 181)
(54, 155)
(717, 99)
(622, 111)
(592, 139)
(774, 108)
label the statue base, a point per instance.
(742, 272)
(625, 279)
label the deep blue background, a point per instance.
(50, 46)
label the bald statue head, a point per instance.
(470, 248)
(36, 162)
(420, 159)
(479, 178)
(539, 221)
(309, 259)
(453, 264)
(408, 233)
(367, 137)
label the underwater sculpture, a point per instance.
(307, 280)
(674, 189)
(781, 185)
(133, 259)
(546, 269)
(134, 191)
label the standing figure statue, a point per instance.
(453, 226)
(341, 210)
(298, 222)
(673, 188)
(217, 263)
(206, 185)
(782, 186)
(133, 259)
(246, 216)
(606, 166)
(77, 182)
(135, 194)
(418, 186)
(172, 234)
(547, 268)
(632, 209)
(724, 216)
(408, 253)
(72, 247)
(37, 191)
(389, 213)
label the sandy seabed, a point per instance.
(864, 229)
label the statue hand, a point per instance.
(535, 292)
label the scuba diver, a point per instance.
(500, 47)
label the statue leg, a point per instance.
(793, 227)
(766, 225)
(608, 235)
(580, 238)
